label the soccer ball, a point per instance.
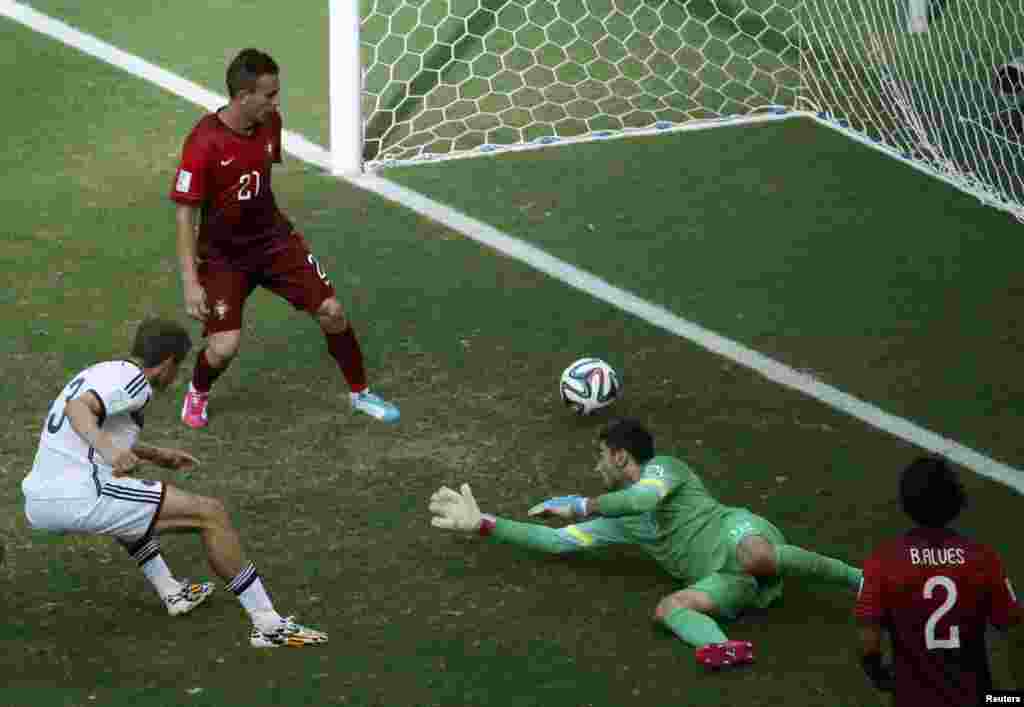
(1009, 81)
(589, 384)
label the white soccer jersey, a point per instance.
(65, 465)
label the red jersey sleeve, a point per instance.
(1005, 611)
(190, 179)
(870, 607)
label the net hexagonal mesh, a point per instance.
(443, 76)
(935, 81)
(938, 83)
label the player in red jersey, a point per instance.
(935, 592)
(233, 238)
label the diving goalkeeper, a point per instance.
(727, 558)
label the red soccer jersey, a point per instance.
(935, 592)
(227, 174)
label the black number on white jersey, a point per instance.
(54, 427)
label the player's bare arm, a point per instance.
(165, 457)
(1015, 634)
(458, 511)
(187, 220)
(84, 415)
(871, 656)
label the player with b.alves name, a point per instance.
(935, 592)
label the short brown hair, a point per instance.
(156, 339)
(631, 435)
(246, 68)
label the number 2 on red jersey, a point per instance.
(931, 641)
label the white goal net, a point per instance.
(934, 82)
(446, 76)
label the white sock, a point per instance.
(159, 575)
(146, 553)
(248, 587)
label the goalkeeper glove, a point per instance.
(567, 507)
(458, 511)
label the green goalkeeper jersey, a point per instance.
(670, 513)
(667, 512)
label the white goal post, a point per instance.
(346, 82)
(935, 83)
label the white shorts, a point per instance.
(125, 508)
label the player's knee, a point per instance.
(665, 607)
(222, 347)
(695, 601)
(757, 556)
(213, 511)
(332, 316)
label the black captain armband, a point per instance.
(880, 675)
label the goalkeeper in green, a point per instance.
(727, 558)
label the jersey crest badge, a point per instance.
(270, 148)
(220, 309)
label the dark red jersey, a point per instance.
(227, 174)
(935, 592)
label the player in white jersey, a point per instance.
(81, 482)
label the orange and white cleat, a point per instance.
(287, 634)
(191, 595)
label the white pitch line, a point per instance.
(312, 153)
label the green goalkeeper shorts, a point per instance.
(731, 589)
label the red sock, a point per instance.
(204, 374)
(344, 348)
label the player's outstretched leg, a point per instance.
(185, 511)
(221, 348)
(687, 615)
(270, 629)
(344, 348)
(179, 596)
(760, 557)
(793, 561)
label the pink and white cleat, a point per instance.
(723, 655)
(193, 411)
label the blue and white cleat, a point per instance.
(374, 406)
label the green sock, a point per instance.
(795, 561)
(695, 628)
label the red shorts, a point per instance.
(287, 268)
